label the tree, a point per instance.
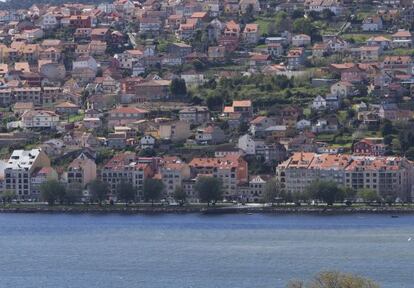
(410, 153)
(98, 191)
(273, 190)
(298, 13)
(349, 194)
(178, 87)
(179, 195)
(152, 189)
(327, 191)
(214, 102)
(387, 128)
(271, 29)
(303, 25)
(333, 279)
(248, 16)
(52, 191)
(198, 65)
(125, 192)
(73, 193)
(7, 196)
(327, 14)
(396, 146)
(147, 152)
(209, 189)
(282, 21)
(368, 195)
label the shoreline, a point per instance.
(276, 210)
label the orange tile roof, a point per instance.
(242, 103)
(258, 119)
(128, 110)
(252, 27)
(402, 33)
(199, 15)
(230, 161)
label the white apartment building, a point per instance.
(19, 170)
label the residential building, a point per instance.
(19, 169)
(173, 172)
(381, 41)
(255, 189)
(147, 142)
(259, 125)
(40, 119)
(372, 23)
(402, 39)
(67, 108)
(210, 134)
(195, 114)
(126, 168)
(319, 5)
(369, 147)
(388, 176)
(240, 107)
(251, 33)
(231, 170)
(175, 131)
(122, 116)
(81, 170)
(128, 58)
(319, 103)
(295, 58)
(38, 177)
(342, 89)
(301, 40)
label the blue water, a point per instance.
(183, 251)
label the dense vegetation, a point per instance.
(263, 90)
(333, 279)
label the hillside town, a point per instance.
(249, 92)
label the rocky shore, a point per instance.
(319, 210)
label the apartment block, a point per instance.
(20, 169)
(388, 176)
(173, 172)
(126, 167)
(231, 169)
(82, 170)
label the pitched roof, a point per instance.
(128, 110)
(242, 103)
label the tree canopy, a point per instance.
(178, 87)
(326, 191)
(98, 191)
(179, 195)
(209, 189)
(368, 195)
(52, 191)
(125, 192)
(73, 193)
(152, 189)
(7, 196)
(333, 279)
(273, 190)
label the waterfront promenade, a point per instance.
(203, 209)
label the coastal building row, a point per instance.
(388, 176)
(26, 170)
